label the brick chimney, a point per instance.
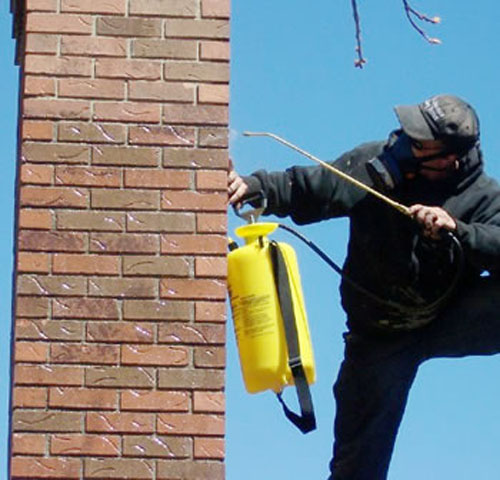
(119, 335)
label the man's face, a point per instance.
(442, 163)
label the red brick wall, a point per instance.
(120, 281)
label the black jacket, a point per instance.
(386, 253)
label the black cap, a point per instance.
(443, 117)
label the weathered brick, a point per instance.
(195, 158)
(183, 244)
(164, 135)
(82, 398)
(210, 50)
(58, 23)
(157, 310)
(39, 421)
(185, 334)
(123, 287)
(86, 264)
(32, 262)
(51, 241)
(54, 197)
(67, 331)
(161, 91)
(128, 27)
(53, 285)
(197, 71)
(160, 222)
(120, 377)
(58, 66)
(127, 112)
(189, 470)
(91, 133)
(182, 424)
(92, 88)
(124, 243)
(210, 312)
(26, 397)
(91, 308)
(210, 267)
(187, 28)
(172, 8)
(195, 114)
(213, 137)
(158, 447)
(126, 156)
(92, 46)
(154, 355)
(156, 266)
(41, 43)
(213, 93)
(35, 219)
(41, 5)
(155, 401)
(128, 69)
(216, 8)
(164, 49)
(125, 199)
(192, 288)
(32, 352)
(157, 178)
(40, 468)
(85, 445)
(109, 468)
(118, 332)
(211, 180)
(37, 130)
(209, 448)
(56, 109)
(28, 444)
(210, 357)
(49, 153)
(211, 223)
(32, 307)
(90, 220)
(194, 201)
(112, 7)
(190, 379)
(84, 354)
(121, 422)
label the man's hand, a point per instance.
(236, 187)
(432, 220)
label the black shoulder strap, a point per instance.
(306, 421)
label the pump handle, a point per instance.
(256, 200)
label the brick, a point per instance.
(82, 398)
(127, 112)
(118, 332)
(50, 153)
(83, 445)
(86, 264)
(210, 402)
(190, 379)
(194, 201)
(192, 288)
(92, 88)
(122, 377)
(121, 422)
(91, 132)
(213, 137)
(213, 93)
(56, 109)
(111, 7)
(39, 86)
(164, 135)
(28, 444)
(188, 334)
(160, 222)
(164, 49)
(155, 401)
(211, 223)
(157, 178)
(216, 8)
(189, 470)
(216, 51)
(161, 91)
(41, 43)
(37, 130)
(84, 354)
(210, 267)
(54, 197)
(157, 447)
(93, 46)
(139, 469)
(209, 448)
(197, 71)
(126, 156)
(187, 28)
(156, 310)
(53, 285)
(183, 244)
(35, 219)
(211, 180)
(156, 266)
(58, 66)
(32, 352)
(90, 221)
(128, 27)
(29, 397)
(154, 355)
(172, 8)
(40, 421)
(91, 308)
(33, 262)
(67, 331)
(123, 287)
(49, 468)
(51, 241)
(195, 114)
(124, 243)
(41, 5)
(125, 199)
(210, 357)
(33, 307)
(128, 69)
(210, 312)
(59, 23)
(182, 424)
(195, 158)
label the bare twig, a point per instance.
(360, 60)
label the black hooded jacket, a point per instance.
(387, 255)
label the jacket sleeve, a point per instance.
(310, 194)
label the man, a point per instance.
(420, 286)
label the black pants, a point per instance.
(372, 388)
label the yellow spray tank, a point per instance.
(257, 301)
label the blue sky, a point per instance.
(293, 74)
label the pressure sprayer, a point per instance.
(268, 306)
